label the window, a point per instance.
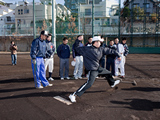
(115, 21)
(147, 5)
(8, 18)
(26, 11)
(136, 4)
(21, 11)
(87, 12)
(90, 1)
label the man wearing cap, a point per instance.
(92, 56)
(38, 53)
(49, 56)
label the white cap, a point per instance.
(46, 33)
(73, 63)
(97, 38)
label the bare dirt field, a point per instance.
(19, 100)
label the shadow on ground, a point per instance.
(139, 104)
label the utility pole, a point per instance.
(119, 26)
(79, 5)
(92, 18)
(34, 26)
(53, 24)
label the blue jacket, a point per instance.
(79, 43)
(63, 51)
(38, 48)
(50, 49)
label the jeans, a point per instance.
(14, 59)
(110, 62)
(64, 63)
(102, 62)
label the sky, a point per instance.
(57, 1)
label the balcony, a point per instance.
(9, 21)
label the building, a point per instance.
(72, 4)
(150, 5)
(7, 19)
(62, 11)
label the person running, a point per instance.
(92, 55)
(38, 53)
(63, 52)
(49, 56)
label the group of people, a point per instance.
(92, 56)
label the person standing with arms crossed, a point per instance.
(49, 56)
(13, 48)
(63, 52)
(38, 53)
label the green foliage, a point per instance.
(138, 13)
(126, 12)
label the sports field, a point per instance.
(19, 100)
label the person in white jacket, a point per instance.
(119, 64)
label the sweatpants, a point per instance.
(64, 63)
(49, 64)
(78, 69)
(92, 76)
(39, 72)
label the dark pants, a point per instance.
(110, 62)
(92, 75)
(102, 62)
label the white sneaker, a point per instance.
(115, 83)
(80, 77)
(40, 87)
(50, 85)
(67, 78)
(75, 78)
(97, 77)
(51, 79)
(72, 98)
(62, 78)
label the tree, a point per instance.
(138, 13)
(126, 12)
(154, 17)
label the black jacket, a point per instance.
(92, 55)
(112, 56)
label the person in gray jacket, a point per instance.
(92, 56)
(49, 56)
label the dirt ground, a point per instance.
(19, 100)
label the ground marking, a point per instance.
(62, 100)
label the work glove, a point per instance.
(34, 61)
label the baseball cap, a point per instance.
(97, 38)
(44, 33)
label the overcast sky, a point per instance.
(57, 1)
